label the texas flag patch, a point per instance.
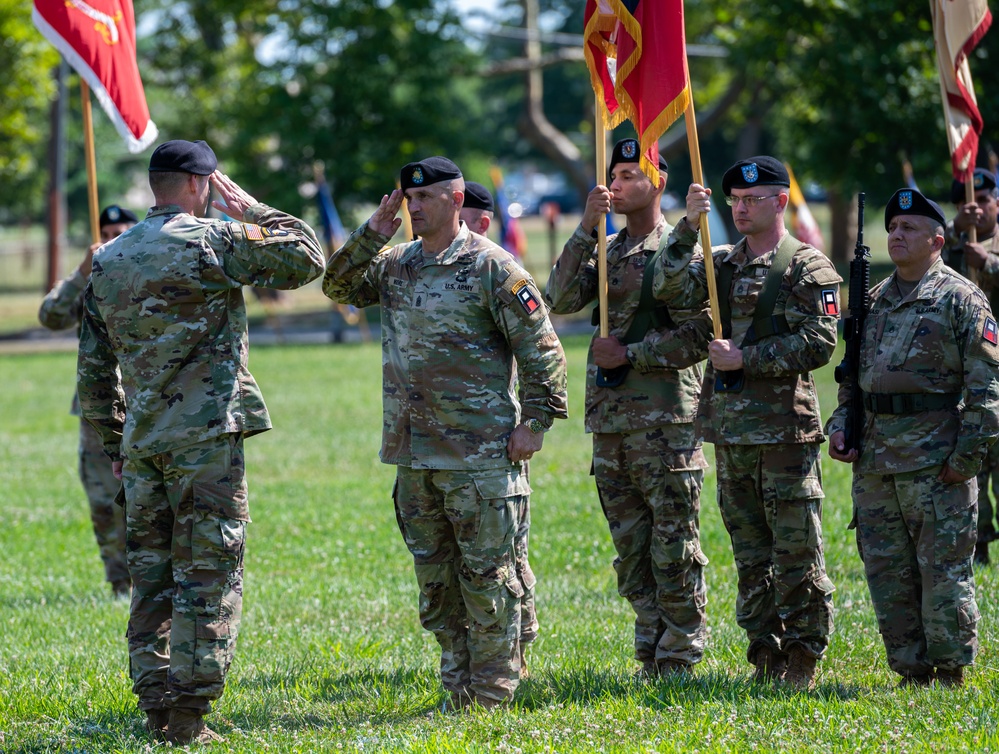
(527, 299)
(991, 331)
(830, 304)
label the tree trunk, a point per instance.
(843, 211)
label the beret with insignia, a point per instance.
(755, 171)
(425, 172)
(181, 156)
(910, 202)
(113, 214)
(628, 150)
(478, 196)
(985, 180)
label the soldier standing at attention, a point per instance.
(929, 370)
(477, 214)
(459, 315)
(779, 305)
(983, 258)
(647, 460)
(165, 306)
(63, 308)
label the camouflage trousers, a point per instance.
(186, 512)
(986, 512)
(460, 527)
(771, 503)
(107, 518)
(917, 537)
(650, 492)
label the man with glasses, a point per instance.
(778, 300)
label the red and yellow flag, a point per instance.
(958, 26)
(637, 55)
(97, 38)
(805, 228)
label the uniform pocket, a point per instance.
(219, 527)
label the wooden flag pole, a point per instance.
(88, 147)
(601, 150)
(695, 162)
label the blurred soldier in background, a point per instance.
(647, 460)
(980, 261)
(63, 308)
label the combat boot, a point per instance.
(770, 665)
(920, 680)
(800, 671)
(490, 704)
(951, 678)
(121, 590)
(647, 671)
(674, 669)
(188, 727)
(156, 723)
(457, 702)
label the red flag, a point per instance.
(97, 38)
(958, 26)
(644, 41)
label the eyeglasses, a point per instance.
(749, 201)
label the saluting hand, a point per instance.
(384, 220)
(235, 201)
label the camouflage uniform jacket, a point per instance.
(452, 328)
(778, 403)
(165, 303)
(655, 391)
(934, 341)
(62, 308)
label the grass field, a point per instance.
(331, 655)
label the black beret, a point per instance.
(113, 214)
(910, 202)
(425, 172)
(478, 196)
(984, 180)
(181, 156)
(755, 171)
(629, 150)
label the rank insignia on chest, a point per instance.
(830, 305)
(527, 299)
(991, 331)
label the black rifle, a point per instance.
(853, 333)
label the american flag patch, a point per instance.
(991, 332)
(830, 305)
(255, 232)
(527, 300)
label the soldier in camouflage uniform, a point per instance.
(458, 316)
(928, 370)
(980, 262)
(165, 306)
(647, 461)
(63, 308)
(759, 407)
(477, 213)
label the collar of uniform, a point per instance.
(651, 240)
(164, 209)
(449, 254)
(925, 288)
